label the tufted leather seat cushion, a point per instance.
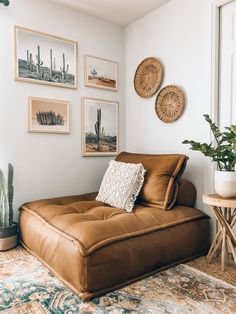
(92, 224)
(95, 248)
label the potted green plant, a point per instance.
(224, 154)
(8, 228)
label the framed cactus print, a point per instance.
(100, 131)
(45, 59)
(101, 73)
(49, 115)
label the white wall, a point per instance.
(49, 165)
(179, 34)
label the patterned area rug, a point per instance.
(27, 287)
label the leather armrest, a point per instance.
(186, 193)
(86, 197)
(60, 200)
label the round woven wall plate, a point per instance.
(148, 77)
(170, 103)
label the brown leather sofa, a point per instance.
(94, 248)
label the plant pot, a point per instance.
(225, 183)
(8, 237)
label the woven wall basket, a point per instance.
(148, 77)
(170, 103)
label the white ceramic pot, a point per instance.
(225, 183)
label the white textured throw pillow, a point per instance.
(121, 184)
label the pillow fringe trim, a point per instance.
(138, 183)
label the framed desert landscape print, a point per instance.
(100, 132)
(49, 115)
(101, 73)
(45, 59)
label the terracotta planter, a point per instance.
(8, 237)
(225, 183)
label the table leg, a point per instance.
(224, 223)
(224, 242)
(233, 220)
(214, 247)
(214, 243)
(226, 251)
(223, 249)
(232, 248)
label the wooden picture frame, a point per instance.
(46, 59)
(100, 73)
(100, 127)
(48, 115)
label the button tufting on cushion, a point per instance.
(94, 224)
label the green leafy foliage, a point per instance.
(224, 150)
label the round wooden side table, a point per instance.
(224, 210)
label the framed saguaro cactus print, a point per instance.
(45, 59)
(99, 127)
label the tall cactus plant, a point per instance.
(103, 132)
(54, 65)
(98, 127)
(6, 198)
(10, 192)
(4, 208)
(94, 73)
(51, 65)
(49, 118)
(39, 62)
(30, 61)
(65, 68)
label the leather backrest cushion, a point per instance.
(160, 186)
